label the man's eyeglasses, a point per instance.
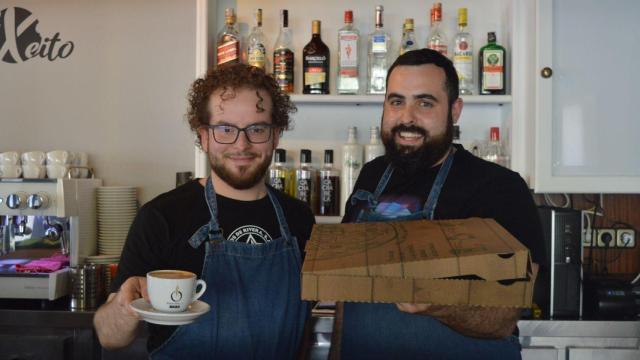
(228, 134)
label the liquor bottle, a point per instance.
(329, 187)
(256, 51)
(494, 151)
(305, 176)
(437, 39)
(278, 171)
(408, 37)
(315, 63)
(228, 44)
(283, 55)
(374, 148)
(379, 46)
(463, 54)
(492, 67)
(352, 158)
(348, 42)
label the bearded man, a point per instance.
(423, 175)
(241, 236)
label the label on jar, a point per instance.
(493, 70)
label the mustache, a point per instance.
(241, 153)
(409, 128)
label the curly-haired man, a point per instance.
(241, 236)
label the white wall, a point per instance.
(120, 95)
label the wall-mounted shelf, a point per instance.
(378, 99)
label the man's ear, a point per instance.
(203, 134)
(456, 110)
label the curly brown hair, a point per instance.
(232, 77)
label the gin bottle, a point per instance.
(228, 44)
(437, 39)
(463, 54)
(278, 172)
(328, 187)
(494, 151)
(408, 37)
(352, 159)
(379, 45)
(256, 51)
(374, 148)
(305, 180)
(348, 42)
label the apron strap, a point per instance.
(282, 221)
(429, 207)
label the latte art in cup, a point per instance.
(173, 290)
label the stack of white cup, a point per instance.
(33, 165)
(10, 165)
(58, 162)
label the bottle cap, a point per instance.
(462, 16)
(281, 156)
(348, 16)
(408, 24)
(284, 17)
(259, 17)
(491, 36)
(305, 156)
(328, 156)
(495, 134)
(315, 27)
(229, 16)
(437, 12)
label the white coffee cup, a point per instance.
(57, 171)
(80, 159)
(33, 157)
(10, 158)
(58, 157)
(10, 171)
(33, 171)
(173, 290)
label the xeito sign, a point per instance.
(20, 41)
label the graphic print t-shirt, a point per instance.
(252, 222)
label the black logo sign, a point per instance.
(20, 40)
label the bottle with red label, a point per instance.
(437, 39)
(283, 55)
(492, 68)
(228, 45)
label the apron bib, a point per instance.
(381, 331)
(254, 294)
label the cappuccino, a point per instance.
(172, 274)
(173, 290)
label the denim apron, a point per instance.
(381, 331)
(254, 294)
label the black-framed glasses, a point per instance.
(228, 134)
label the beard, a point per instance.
(412, 159)
(247, 177)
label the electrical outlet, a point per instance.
(605, 238)
(625, 238)
(586, 238)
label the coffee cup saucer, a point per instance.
(151, 315)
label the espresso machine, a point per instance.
(40, 218)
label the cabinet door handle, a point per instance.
(546, 72)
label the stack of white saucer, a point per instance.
(116, 208)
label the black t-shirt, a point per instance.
(473, 188)
(159, 235)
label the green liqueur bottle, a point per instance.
(493, 68)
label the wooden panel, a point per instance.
(624, 208)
